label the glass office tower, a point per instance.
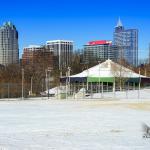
(95, 51)
(63, 49)
(127, 40)
(9, 52)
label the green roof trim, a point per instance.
(101, 79)
(135, 80)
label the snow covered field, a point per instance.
(73, 125)
(129, 94)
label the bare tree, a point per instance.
(120, 73)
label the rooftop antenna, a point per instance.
(119, 24)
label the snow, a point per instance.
(72, 125)
(108, 69)
(95, 124)
(143, 94)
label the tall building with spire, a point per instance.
(127, 40)
(9, 51)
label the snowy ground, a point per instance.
(73, 125)
(129, 94)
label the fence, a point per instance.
(105, 90)
(79, 91)
(12, 90)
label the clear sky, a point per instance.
(79, 20)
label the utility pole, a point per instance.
(139, 83)
(8, 90)
(69, 69)
(48, 79)
(31, 85)
(87, 82)
(145, 71)
(99, 78)
(66, 83)
(149, 54)
(22, 83)
(60, 76)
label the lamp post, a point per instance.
(60, 84)
(31, 86)
(66, 83)
(139, 83)
(48, 82)
(87, 83)
(22, 83)
(69, 69)
(48, 79)
(60, 76)
(99, 76)
(8, 90)
(145, 71)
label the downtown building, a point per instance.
(63, 50)
(99, 51)
(127, 41)
(9, 51)
(35, 54)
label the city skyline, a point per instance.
(80, 21)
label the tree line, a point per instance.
(35, 74)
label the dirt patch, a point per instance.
(140, 106)
(121, 104)
(115, 131)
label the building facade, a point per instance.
(127, 40)
(35, 54)
(63, 49)
(101, 50)
(9, 51)
(28, 54)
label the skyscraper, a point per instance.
(63, 49)
(127, 40)
(101, 50)
(9, 52)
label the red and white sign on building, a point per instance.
(100, 42)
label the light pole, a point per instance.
(87, 83)
(149, 54)
(22, 83)
(145, 71)
(60, 76)
(69, 69)
(60, 85)
(139, 83)
(99, 76)
(114, 86)
(31, 85)
(66, 83)
(48, 79)
(8, 90)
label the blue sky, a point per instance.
(79, 20)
